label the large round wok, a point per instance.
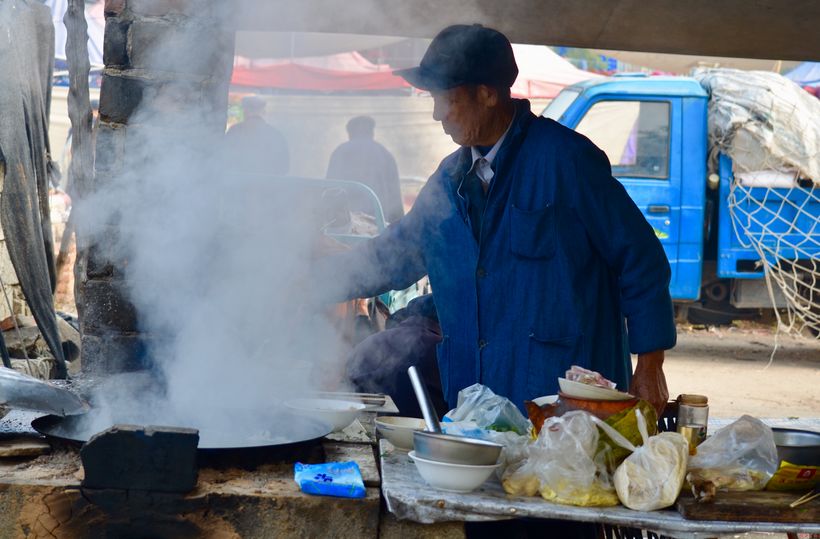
(287, 432)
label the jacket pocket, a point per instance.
(532, 232)
(549, 359)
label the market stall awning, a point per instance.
(543, 73)
(348, 71)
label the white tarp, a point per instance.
(95, 19)
(763, 121)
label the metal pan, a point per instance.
(291, 429)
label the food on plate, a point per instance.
(586, 376)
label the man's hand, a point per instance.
(649, 382)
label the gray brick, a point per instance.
(119, 97)
(107, 308)
(115, 44)
(109, 352)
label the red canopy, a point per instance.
(543, 73)
(336, 72)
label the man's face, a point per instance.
(465, 113)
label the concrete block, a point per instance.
(110, 147)
(108, 352)
(175, 47)
(115, 44)
(131, 457)
(159, 8)
(120, 96)
(113, 7)
(107, 307)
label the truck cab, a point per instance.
(654, 131)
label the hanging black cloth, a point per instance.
(26, 64)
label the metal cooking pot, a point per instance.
(289, 429)
(795, 446)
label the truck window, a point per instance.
(633, 134)
(560, 104)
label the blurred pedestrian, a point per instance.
(254, 145)
(364, 160)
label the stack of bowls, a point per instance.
(454, 463)
(445, 461)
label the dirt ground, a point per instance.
(729, 365)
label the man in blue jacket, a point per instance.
(537, 257)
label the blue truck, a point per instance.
(654, 131)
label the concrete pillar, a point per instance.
(165, 60)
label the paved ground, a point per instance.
(731, 366)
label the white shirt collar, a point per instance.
(482, 164)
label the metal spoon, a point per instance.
(426, 405)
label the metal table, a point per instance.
(409, 497)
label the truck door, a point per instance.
(637, 136)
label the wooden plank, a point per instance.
(23, 447)
(361, 454)
(750, 507)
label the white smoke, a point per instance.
(217, 265)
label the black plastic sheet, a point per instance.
(26, 63)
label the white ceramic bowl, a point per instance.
(585, 391)
(452, 477)
(546, 399)
(337, 413)
(399, 430)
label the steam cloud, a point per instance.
(216, 265)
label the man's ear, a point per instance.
(487, 95)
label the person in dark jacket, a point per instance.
(362, 159)
(537, 257)
(255, 146)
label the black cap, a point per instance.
(464, 54)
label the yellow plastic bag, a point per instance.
(794, 477)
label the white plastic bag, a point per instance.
(562, 464)
(740, 456)
(487, 410)
(652, 476)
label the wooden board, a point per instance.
(23, 447)
(750, 507)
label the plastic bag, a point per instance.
(487, 410)
(740, 456)
(652, 476)
(627, 424)
(563, 464)
(340, 479)
(514, 444)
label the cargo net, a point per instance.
(781, 225)
(770, 128)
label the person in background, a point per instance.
(254, 145)
(362, 159)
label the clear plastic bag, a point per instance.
(487, 410)
(740, 456)
(652, 476)
(563, 464)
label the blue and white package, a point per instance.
(340, 479)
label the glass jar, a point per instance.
(693, 418)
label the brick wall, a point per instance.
(167, 56)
